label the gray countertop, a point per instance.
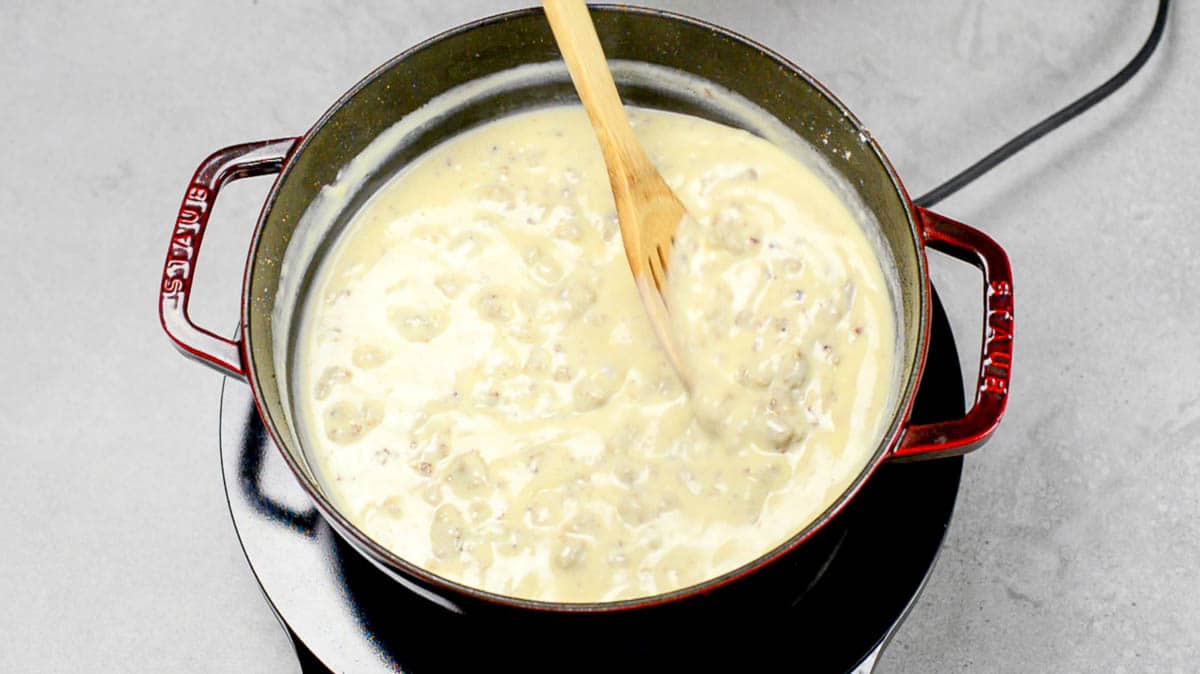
(1075, 542)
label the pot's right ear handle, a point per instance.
(959, 436)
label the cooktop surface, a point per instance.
(830, 606)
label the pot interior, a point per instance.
(660, 61)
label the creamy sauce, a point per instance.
(486, 398)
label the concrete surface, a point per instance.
(1075, 543)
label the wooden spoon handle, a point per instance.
(580, 47)
(644, 201)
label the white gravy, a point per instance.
(487, 399)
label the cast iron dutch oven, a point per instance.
(304, 165)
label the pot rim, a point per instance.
(390, 562)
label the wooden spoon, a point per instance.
(647, 209)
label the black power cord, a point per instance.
(1054, 121)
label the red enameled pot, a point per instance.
(493, 45)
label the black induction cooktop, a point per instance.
(829, 607)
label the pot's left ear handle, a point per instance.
(222, 166)
(959, 436)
